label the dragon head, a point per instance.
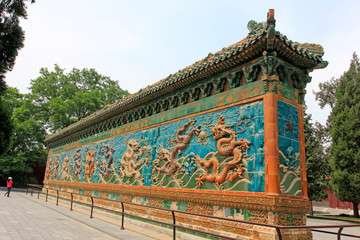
(245, 144)
(221, 130)
(163, 153)
(90, 156)
(134, 144)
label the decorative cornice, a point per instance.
(271, 70)
(243, 200)
(262, 40)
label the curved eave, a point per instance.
(220, 62)
(298, 54)
(237, 54)
(302, 60)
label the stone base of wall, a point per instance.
(217, 226)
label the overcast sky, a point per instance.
(140, 42)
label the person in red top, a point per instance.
(9, 183)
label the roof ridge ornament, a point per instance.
(270, 31)
(258, 28)
(255, 28)
(271, 18)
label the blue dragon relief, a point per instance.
(77, 163)
(107, 160)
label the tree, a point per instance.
(27, 149)
(63, 99)
(11, 40)
(345, 132)
(6, 128)
(11, 35)
(326, 95)
(56, 100)
(317, 167)
(8, 102)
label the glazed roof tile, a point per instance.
(308, 56)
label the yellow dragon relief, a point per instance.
(48, 168)
(180, 144)
(56, 167)
(90, 160)
(129, 164)
(65, 169)
(226, 146)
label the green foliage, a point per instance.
(18, 167)
(56, 101)
(63, 99)
(317, 167)
(8, 102)
(27, 149)
(6, 127)
(326, 95)
(12, 36)
(345, 133)
(11, 40)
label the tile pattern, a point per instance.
(289, 149)
(148, 151)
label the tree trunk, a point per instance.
(356, 209)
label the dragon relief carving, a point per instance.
(90, 160)
(106, 160)
(129, 160)
(48, 168)
(179, 144)
(77, 162)
(226, 146)
(56, 167)
(65, 169)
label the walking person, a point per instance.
(9, 183)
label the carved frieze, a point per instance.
(269, 67)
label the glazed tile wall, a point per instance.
(221, 150)
(289, 149)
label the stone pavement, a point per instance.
(323, 236)
(26, 217)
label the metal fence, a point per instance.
(40, 189)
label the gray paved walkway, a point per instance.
(26, 217)
(332, 211)
(323, 236)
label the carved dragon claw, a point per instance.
(197, 159)
(239, 170)
(199, 181)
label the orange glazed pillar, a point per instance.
(272, 168)
(304, 192)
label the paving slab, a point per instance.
(324, 236)
(26, 217)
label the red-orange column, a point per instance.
(272, 168)
(304, 191)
